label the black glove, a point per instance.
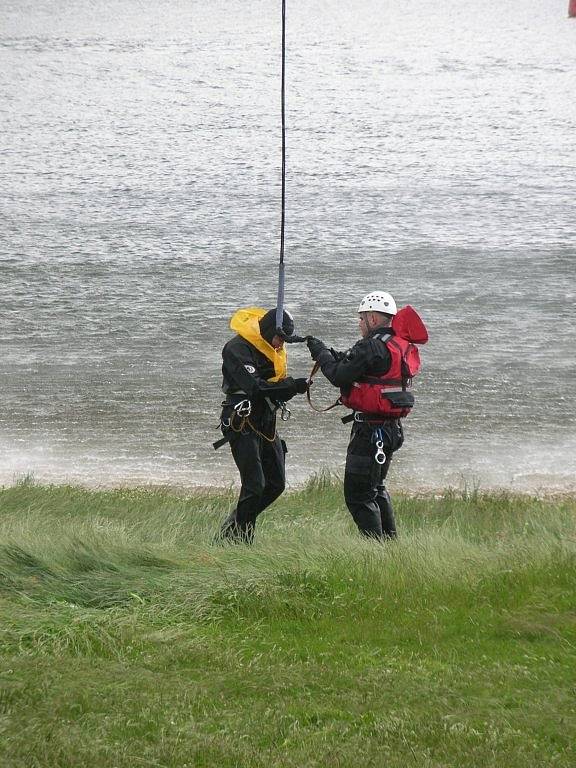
(315, 346)
(338, 356)
(301, 386)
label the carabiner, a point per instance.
(285, 412)
(243, 408)
(380, 456)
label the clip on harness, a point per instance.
(378, 438)
(242, 411)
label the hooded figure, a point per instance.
(255, 384)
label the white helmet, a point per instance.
(378, 301)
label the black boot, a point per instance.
(233, 532)
(229, 530)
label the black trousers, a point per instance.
(366, 496)
(261, 464)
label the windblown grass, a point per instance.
(128, 639)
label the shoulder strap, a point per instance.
(385, 336)
(403, 364)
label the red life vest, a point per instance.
(387, 396)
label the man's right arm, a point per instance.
(342, 369)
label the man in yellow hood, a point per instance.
(256, 385)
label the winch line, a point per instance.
(280, 297)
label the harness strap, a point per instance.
(403, 364)
(378, 380)
(222, 441)
(367, 418)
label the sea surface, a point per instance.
(430, 153)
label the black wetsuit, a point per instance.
(258, 451)
(366, 496)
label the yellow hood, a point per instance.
(245, 323)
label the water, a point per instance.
(430, 153)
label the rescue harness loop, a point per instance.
(239, 421)
(242, 411)
(245, 422)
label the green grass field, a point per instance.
(127, 639)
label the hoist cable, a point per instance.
(280, 298)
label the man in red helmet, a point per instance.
(374, 378)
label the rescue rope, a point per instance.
(242, 410)
(313, 372)
(280, 297)
(245, 421)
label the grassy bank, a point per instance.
(127, 639)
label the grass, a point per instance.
(128, 639)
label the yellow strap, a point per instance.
(245, 323)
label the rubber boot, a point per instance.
(233, 532)
(229, 531)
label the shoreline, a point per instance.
(314, 483)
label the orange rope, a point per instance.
(245, 420)
(313, 372)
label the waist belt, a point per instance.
(369, 418)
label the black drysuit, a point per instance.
(258, 451)
(366, 496)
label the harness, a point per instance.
(240, 420)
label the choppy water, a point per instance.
(430, 153)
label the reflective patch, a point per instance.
(250, 368)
